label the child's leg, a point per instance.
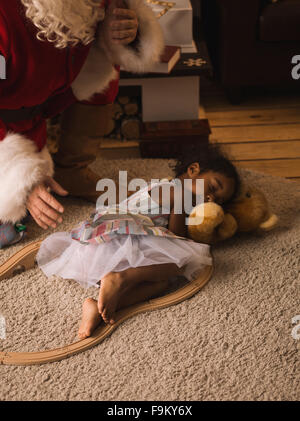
(142, 292)
(115, 284)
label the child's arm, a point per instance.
(177, 223)
(177, 220)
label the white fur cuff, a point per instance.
(150, 43)
(21, 167)
(98, 70)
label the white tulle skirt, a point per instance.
(60, 255)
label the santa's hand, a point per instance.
(122, 23)
(44, 208)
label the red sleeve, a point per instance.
(4, 52)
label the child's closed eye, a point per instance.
(212, 189)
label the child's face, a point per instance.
(218, 187)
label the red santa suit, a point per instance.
(42, 80)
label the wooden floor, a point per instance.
(262, 133)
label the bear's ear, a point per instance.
(270, 223)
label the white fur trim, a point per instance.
(150, 44)
(21, 167)
(98, 70)
(95, 76)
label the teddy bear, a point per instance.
(209, 223)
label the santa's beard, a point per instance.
(65, 22)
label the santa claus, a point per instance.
(62, 56)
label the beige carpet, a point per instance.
(232, 341)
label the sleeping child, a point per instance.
(130, 254)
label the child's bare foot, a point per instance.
(90, 318)
(111, 288)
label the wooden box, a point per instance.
(169, 139)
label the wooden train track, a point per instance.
(25, 259)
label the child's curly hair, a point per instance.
(210, 158)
